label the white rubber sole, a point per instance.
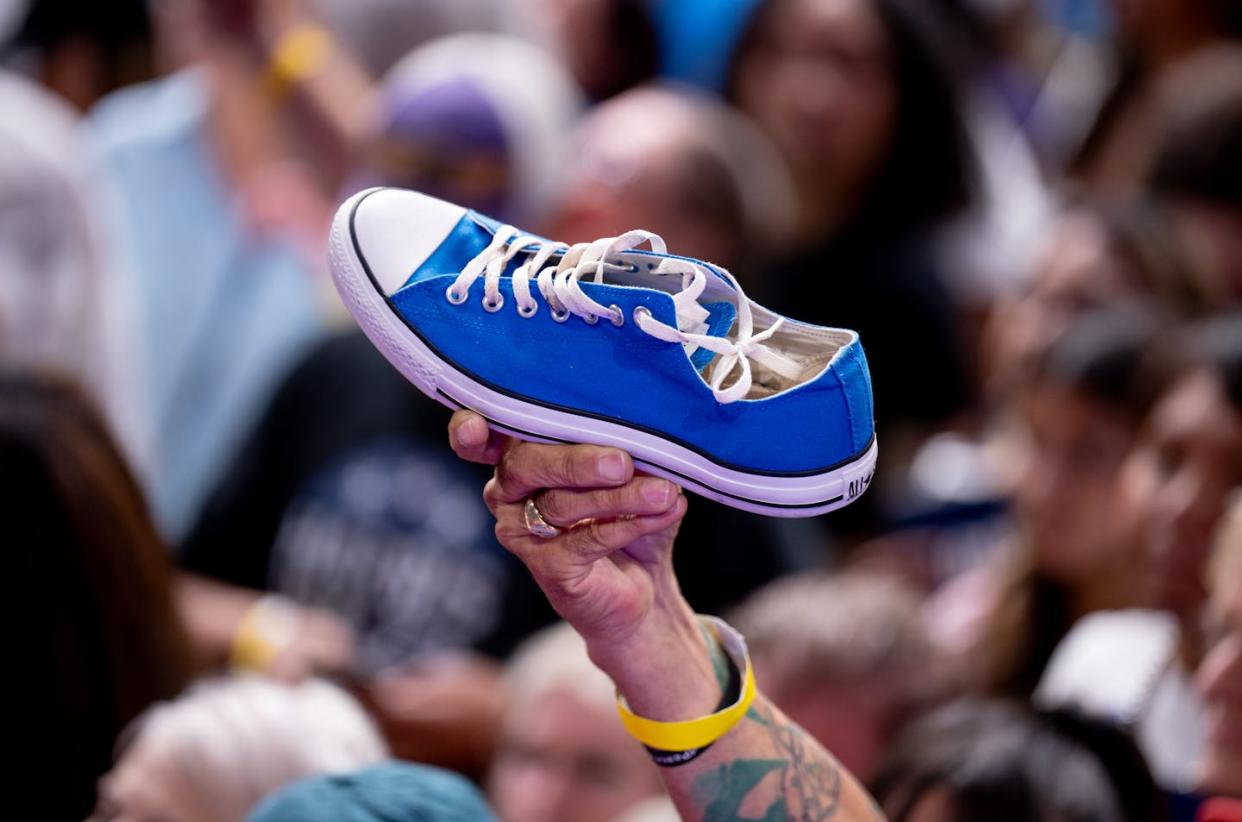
(781, 495)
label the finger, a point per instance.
(599, 538)
(526, 467)
(580, 546)
(472, 439)
(641, 496)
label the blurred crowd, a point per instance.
(248, 557)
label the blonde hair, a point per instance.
(234, 740)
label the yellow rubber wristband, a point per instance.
(698, 733)
(265, 630)
(298, 54)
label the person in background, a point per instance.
(386, 590)
(954, 497)
(862, 108)
(1077, 416)
(684, 166)
(214, 753)
(706, 180)
(1157, 38)
(1135, 665)
(217, 178)
(563, 755)
(396, 592)
(1097, 255)
(80, 51)
(96, 639)
(64, 305)
(985, 760)
(477, 119)
(846, 656)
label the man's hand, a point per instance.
(609, 573)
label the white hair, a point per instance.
(234, 740)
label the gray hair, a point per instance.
(818, 626)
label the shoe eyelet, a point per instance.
(618, 316)
(641, 311)
(528, 311)
(590, 319)
(454, 298)
(559, 316)
(496, 306)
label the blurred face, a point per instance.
(1077, 272)
(145, 787)
(818, 79)
(561, 759)
(1175, 487)
(1065, 495)
(1220, 681)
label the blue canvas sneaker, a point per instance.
(615, 342)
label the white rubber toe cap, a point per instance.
(397, 230)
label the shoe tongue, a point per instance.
(714, 320)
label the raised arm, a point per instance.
(609, 574)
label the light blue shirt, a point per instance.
(223, 313)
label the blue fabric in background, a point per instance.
(1092, 19)
(392, 791)
(698, 38)
(222, 313)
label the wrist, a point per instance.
(266, 629)
(296, 49)
(676, 742)
(665, 669)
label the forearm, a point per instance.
(766, 767)
(211, 611)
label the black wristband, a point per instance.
(671, 759)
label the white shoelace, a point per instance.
(560, 288)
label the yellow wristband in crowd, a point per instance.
(298, 54)
(265, 630)
(698, 733)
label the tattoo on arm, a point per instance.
(809, 784)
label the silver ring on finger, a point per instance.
(536, 525)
